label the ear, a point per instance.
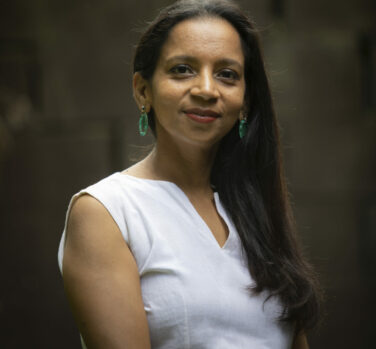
(242, 114)
(141, 91)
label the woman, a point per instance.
(193, 247)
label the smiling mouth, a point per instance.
(202, 113)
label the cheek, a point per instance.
(163, 87)
(166, 94)
(235, 100)
(235, 103)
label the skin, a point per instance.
(101, 280)
(300, 341)
(201, 65)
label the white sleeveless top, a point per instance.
(194, 291)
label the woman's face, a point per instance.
(197, 90)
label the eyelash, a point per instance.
(175, 69)
(234, 75)
(189, 71)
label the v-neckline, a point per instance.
(199, 220)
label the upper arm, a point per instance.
(101, 280)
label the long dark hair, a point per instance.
(247, 172)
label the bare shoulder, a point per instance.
(91, 231)
(86, 209)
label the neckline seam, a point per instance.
(198, 219)
(150, 180)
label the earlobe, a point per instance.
(242, 114)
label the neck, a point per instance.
(188, 166)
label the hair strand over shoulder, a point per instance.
(247, 172)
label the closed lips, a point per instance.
(203, 112)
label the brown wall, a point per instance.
(67, 119)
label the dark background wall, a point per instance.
(67, 119)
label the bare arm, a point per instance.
(300, 341)
(101, 280)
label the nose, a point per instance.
(205, 86)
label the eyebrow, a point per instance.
(187, 58)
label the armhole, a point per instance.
(106, 203)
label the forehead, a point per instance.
(206, 37)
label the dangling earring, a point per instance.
(243, 127)
(143, 122)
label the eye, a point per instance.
(228, 75)
(181, 69)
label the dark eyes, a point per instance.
(184, 70)
(181, 69)
(228, 74)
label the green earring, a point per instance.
(243, 126)
(143, 122)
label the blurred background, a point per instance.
(67, 119)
